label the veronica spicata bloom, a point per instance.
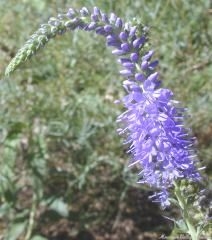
(153, 123)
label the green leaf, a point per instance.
(60, 207)
(57, 129)
(15, 127)
(15, 230)
(38, 4)
(4, 209)
(181, 225)
(38, 237)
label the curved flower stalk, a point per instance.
(153, 123)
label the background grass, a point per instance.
(60, 155)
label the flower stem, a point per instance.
(192, 231)
(31, 218)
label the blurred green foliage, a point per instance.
(59, 149)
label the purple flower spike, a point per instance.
(152, 122)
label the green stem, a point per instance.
(194, 233)
(31, 218)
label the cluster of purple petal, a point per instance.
(153, 122)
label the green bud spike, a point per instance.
(40, 38)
